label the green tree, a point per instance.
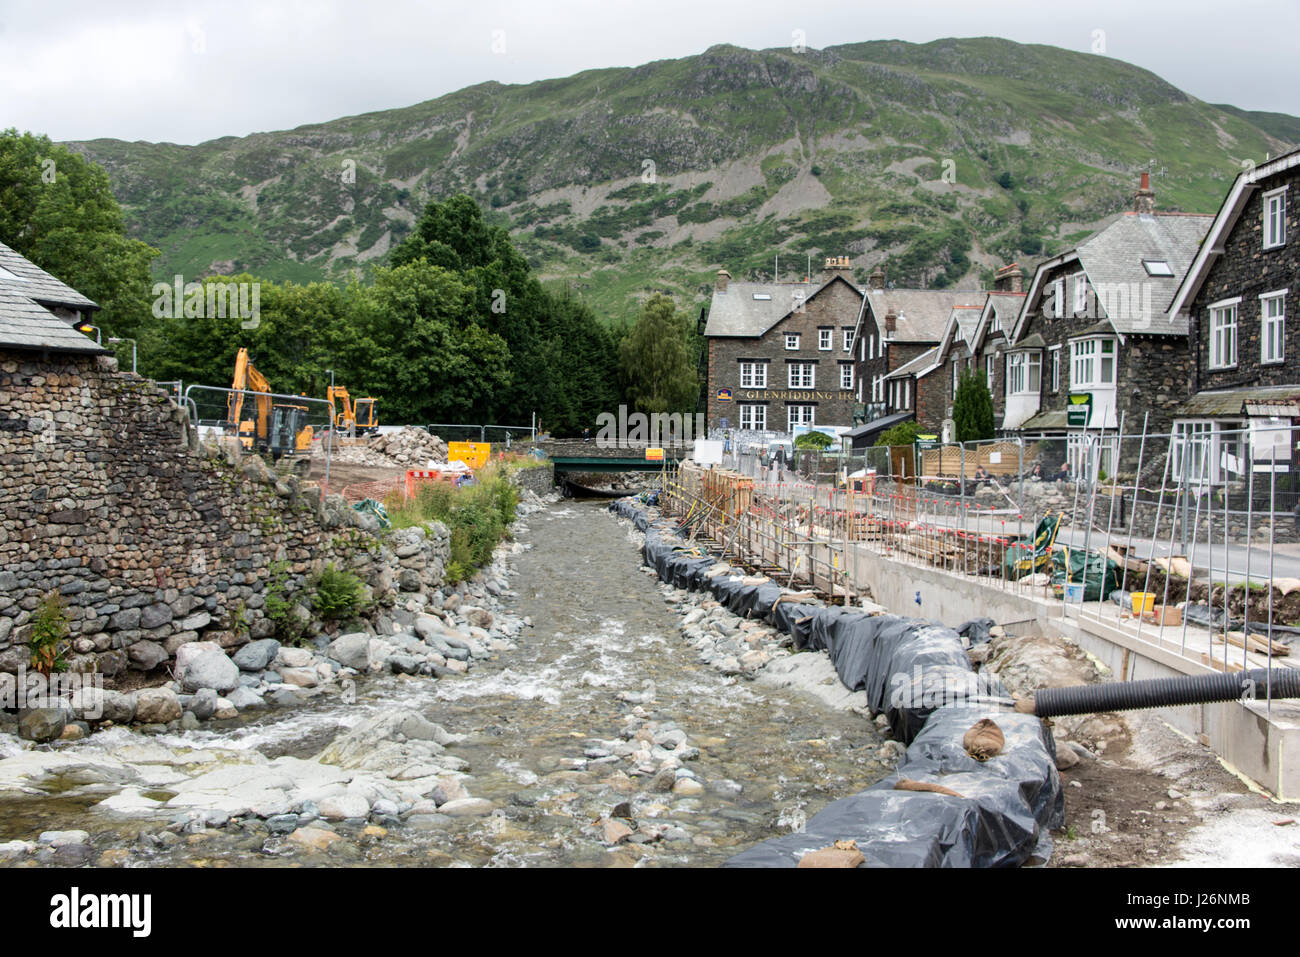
(902, 434)
(972, 409)
(814, 440)
(658, 361)
(57, 209)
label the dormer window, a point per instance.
(1275, 218)
(1080, 293)
(1157, 267)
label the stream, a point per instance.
(542, 727)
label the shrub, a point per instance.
(50, 630)
(902, 434)
(814, 440)
(337, 594)
(290, 629)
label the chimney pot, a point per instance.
(1144, 200)
(724, 277)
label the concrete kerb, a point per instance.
(1000, 819)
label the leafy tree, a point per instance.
(57, 209)
(659, 367)
(814, 440)
(902, 434)
(972, 409)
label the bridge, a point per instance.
(575, 455)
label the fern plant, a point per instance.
(50, 629)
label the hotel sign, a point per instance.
(724, 395)
(1079, 410)
(795, 395)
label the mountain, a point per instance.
(942, 159)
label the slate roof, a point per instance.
(35, 283)
(922, 314)
(918, 366)
(25, 322)
(1113, 259)
(1280, 400)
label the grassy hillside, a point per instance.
(941, 159)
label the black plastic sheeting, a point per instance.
(917, 673)
(1007, 805)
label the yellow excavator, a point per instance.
(274, 429)
(361, 418)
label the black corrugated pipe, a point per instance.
(1163, 692)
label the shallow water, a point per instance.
(768, 758)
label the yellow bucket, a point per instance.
(1144, 602)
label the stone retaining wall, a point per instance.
(107, 497)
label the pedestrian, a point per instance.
(1064, 474)
(586, 435)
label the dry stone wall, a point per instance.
(154, 541)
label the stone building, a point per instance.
(899, 327)
(1094, 342)
(1237, 301)
(780, 355)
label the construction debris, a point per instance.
(984, 740)
(411, 447)
(839, 854)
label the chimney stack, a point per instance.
(1144, 200)
(724, 277)
(891, 322)
(877, 278)
(835, 266)
(1010, 278)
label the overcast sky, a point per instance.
(185, 71)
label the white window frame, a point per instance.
(801, 375)
(1087, 363)
(753, 416)
(792, 341)
(1278, 335)
(1198, 435)
(795, 415)
(753, 375)
(846, 376)
(1056, 368)
(956, 376)
(1274, 208)
(990, 368)
(825, 339)
(1080, 293)
(1058, 299)
(848, 340)
(1218, 344)
(907, 393)
(1021, 369)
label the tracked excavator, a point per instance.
(359, 418)
(269, 428)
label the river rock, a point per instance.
(340, 807)
(294, 657)
(204, 704)
(403, 665)
(479, 617)
(146, 655)
(243, 698)
(156, 706)
(688, 787)
(467, 807)
(257, 655)
(210, 669)
(299, 677)
(119, 707)
(315, 838)
(42, 724)
(615, 832)
(352, 650)
(429, 626)
(63, 838)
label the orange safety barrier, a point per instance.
(416, 477)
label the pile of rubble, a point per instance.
(411, 447)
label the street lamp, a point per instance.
(133, 348)
(85, 328)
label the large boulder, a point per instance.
(156, 706)
(257, 655)
(42, 724)
(146, 655)
(211, 669)
(352, 650)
